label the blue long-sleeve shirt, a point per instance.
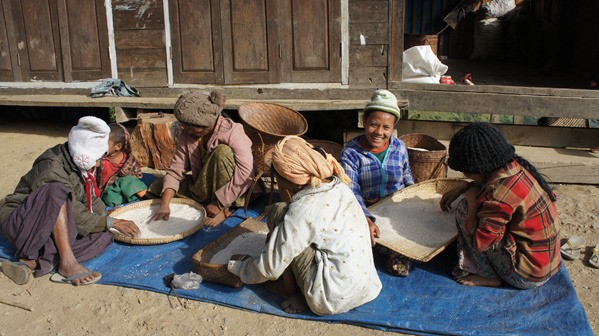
(372, 179)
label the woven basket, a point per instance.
(218, 272)
(409, 241)
(156, 203)
(412, 40)
(265, 124)
(428, 164)
(330, 147)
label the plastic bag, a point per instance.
(421, 65)
(189, 280)
(113, 87)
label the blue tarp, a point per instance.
(428, 301)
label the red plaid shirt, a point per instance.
(513, 208)
(129, 168)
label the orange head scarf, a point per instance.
(299, 162)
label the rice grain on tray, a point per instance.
(250, 243)
(183, 217)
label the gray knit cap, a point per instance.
(198, 108)
(385, 101)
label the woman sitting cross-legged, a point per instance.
(55, 217)
(318, 250)
(508, 230)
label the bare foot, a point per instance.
(295, 304)
(70, 270)
(32, 264)
(477, 280)
(217, 219)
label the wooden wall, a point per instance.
(368, 43)
(140, 42)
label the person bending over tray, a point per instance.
(217, 152)
(318, 250)
(377, 164)
(119, 172)
(55, 216)
(508, 228)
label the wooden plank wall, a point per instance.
(140, 42)
(368, 43)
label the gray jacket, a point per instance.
(56, 165)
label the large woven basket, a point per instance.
(419, 241)
(155, 203)
(330, 147)
(218, 272)
(428, 157)
(266, 124)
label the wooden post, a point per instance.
(153, 142)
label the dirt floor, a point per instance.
(100, 310)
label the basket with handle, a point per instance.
(428, 157)
(265, 124)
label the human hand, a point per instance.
(374, 231)
(163, 213)
(450, 196)
(126, 227)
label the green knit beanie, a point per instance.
(385, 101)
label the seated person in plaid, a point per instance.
(377, 164)
(508, 230)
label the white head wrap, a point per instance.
(88, 142)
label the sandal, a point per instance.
(398, 264)
(16, 271)
(572, 248)
(594, 259)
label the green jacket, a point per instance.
(56, 165)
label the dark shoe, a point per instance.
(398, 264)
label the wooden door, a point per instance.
(84, 39)
(59, 40)
(196, 41)
(250, 41)
(311, 41)
(8, 54)
(37, 39)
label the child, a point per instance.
(377, 163)
(508, 229)
(119, 173)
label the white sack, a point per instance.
(421, 65)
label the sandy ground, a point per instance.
(101, 310)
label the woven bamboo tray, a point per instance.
(218, 272)
(420, 240)
(153, 205)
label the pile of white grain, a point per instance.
(183, 218)
(415, 226)
(250, 243)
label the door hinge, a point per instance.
(19, 59)
(280, 54)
